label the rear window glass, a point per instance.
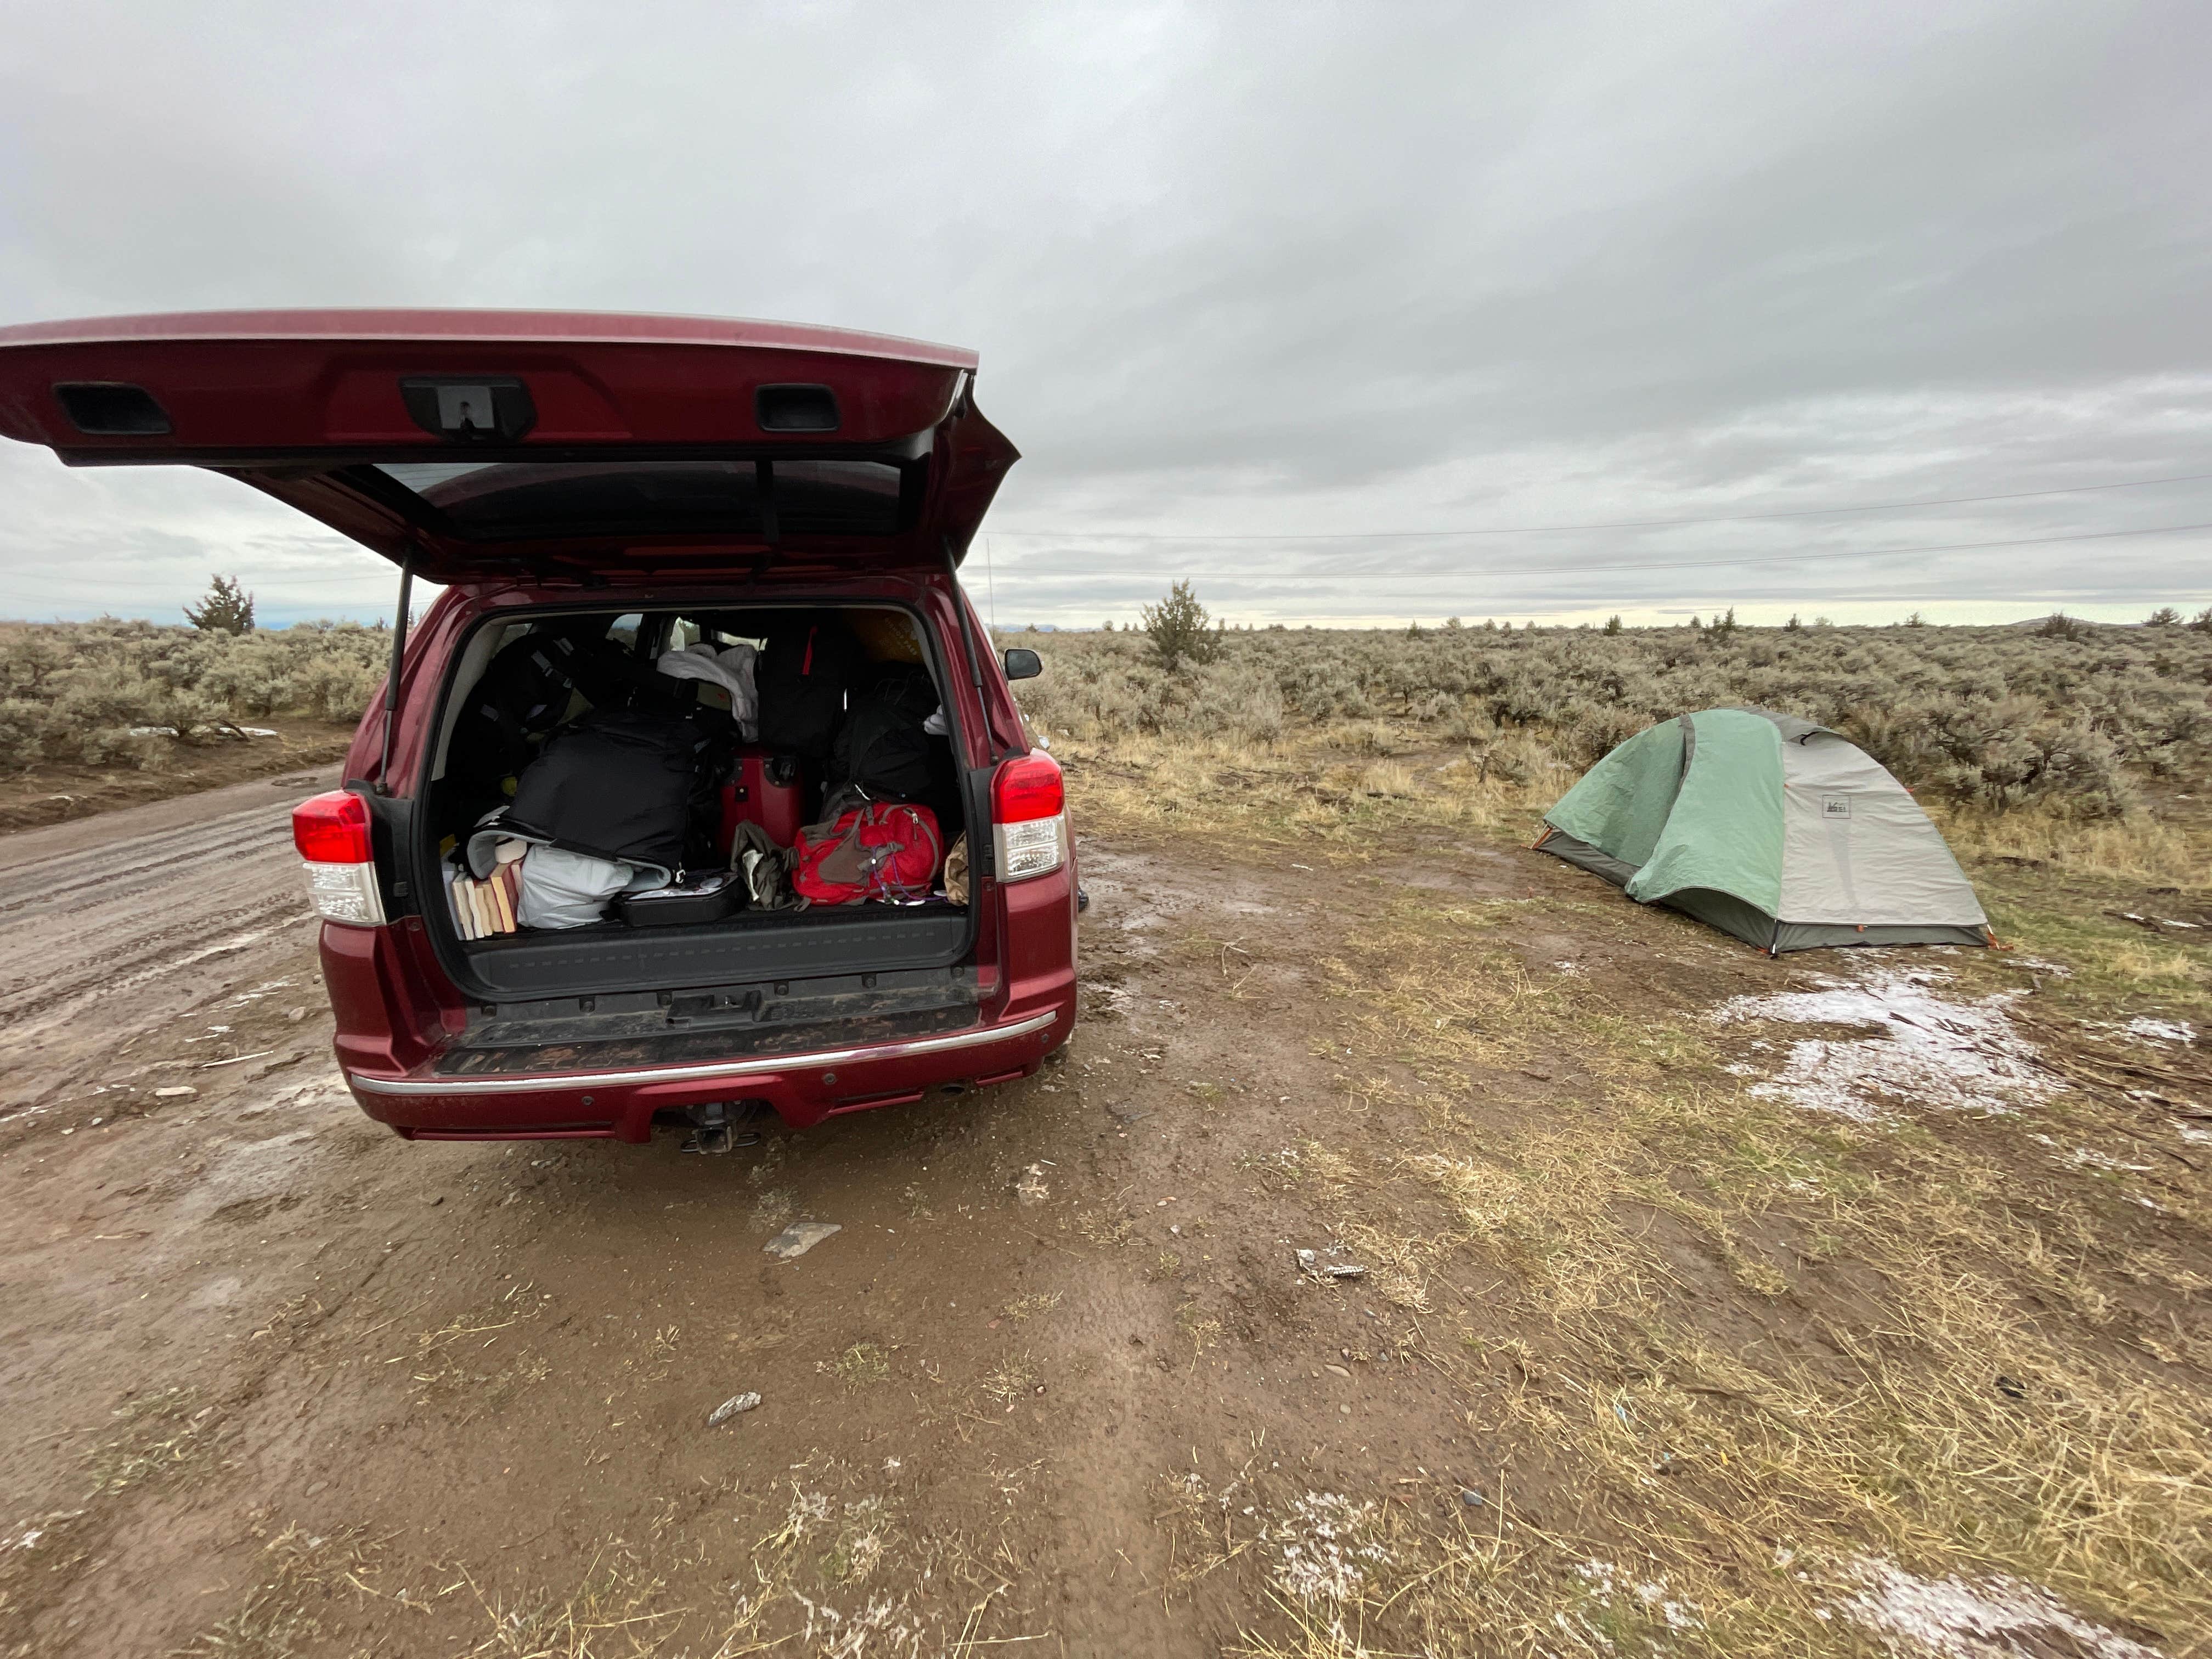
(495, 500)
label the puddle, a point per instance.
(1920, 1048)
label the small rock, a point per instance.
(734, 1405)
(175, 1091)
(1338, 1370)
(317, 1487)
(1470, 1497)
(296, 1015)
(798, 1238)
(433, 1199)
(1345, 1410)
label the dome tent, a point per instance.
(1770, 828)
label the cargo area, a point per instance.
(650, 826)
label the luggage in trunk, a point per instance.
(763, 789)
(614, 786)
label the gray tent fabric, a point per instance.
(1769, 827)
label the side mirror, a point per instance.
(1023, 664)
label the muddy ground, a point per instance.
(55, 794)
(278, 1381)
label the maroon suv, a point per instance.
(629, 485)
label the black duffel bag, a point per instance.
(801, 679)
(615, 785)
(881, 746)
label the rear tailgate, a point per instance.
(485, 445)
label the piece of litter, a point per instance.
(175, 1091)
(1031, 1188)
(1310, 1264)
(798, 1238)
(732, 1406)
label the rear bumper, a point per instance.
(619, 1104)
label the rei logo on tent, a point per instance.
(1835, 806)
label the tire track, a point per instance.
(101, 944)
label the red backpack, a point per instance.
(884, 850)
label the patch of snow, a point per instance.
(1607, 1582)
(1327, 1548)
(2081, 1157)
(1920, 1049)
(1992, 1617)
(2161, 1031)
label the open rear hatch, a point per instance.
(591, 454)
(475, 445)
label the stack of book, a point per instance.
(483, 909)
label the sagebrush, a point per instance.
(1993, 718)
(116, 693)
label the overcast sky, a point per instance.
(1239, 272)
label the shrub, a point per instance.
(227, 608)
(76, 692)
(1178, 630)
(1992, 716)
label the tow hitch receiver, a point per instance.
(713, 1130)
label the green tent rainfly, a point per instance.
(1770, 828)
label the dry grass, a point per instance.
(159, 1432)
(861, 1365)
(1983, 1390)
(1010, 1379)
(2139, 848)
(300, 1578)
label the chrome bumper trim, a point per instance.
(735, 1071)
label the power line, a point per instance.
(1368, 573)
(1621, 524)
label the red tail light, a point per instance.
(1028, 788)
(332, 829)
(1028, 813)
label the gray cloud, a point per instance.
(1232, 271)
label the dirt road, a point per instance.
(490, 1367)
(280, 1384)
